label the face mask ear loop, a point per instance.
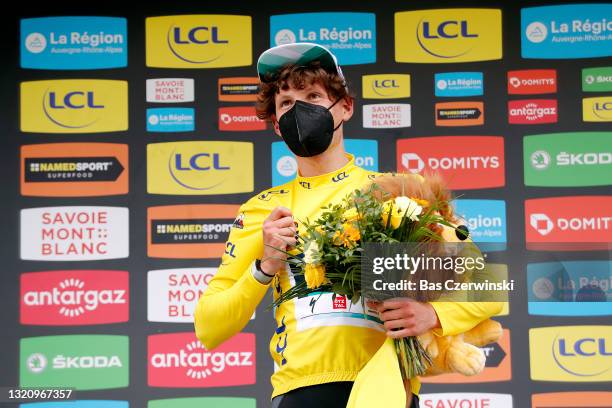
(332, 105)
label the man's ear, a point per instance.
(275, 125)
(347, 106)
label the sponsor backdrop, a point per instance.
(130, 140)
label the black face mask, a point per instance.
(308, 129)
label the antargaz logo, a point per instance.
(448, 35)
(198, 41)
(532, 111)
(74, 106)
(83, 362)
(66, 298)
(180, 360)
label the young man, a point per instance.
(320, 343)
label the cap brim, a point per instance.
(272, 60)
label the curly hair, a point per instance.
(298, 77)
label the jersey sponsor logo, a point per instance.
(387, 116)
(597, 79)
(198, 41)
(592, 399)
(497, 367)
(267, 195)
(566, 31)
(386, 86)
(450, 84)
(73, 42)
(568, 159)
(240, 119)
(199, 168)
(77, 297)
(466, 162)
(239, 89)
(570, 288)
(486, 221)
(532, 111)
(532, 81)
(170, 119)
(170, 90)
(189, 231)
(80, 233)
(597, 109)
(571, 353)
(459, 113)
(462, 399)
(448, 35)
(74, 169)
(74, 106)
(179, 360)
(82, 362)
(350, 36)
(569, 223)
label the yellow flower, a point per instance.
(348, 236)
(315, 275)
(399, 207)
(351, 214)
(420, 201)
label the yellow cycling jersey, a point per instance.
(319, 338)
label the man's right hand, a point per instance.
(279, 232)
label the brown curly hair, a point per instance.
(298, 77)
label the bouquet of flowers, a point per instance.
(331, 247)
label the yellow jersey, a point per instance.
(319, 338)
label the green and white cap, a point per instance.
(272, 60)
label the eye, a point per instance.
(314, 96)
(285, 103)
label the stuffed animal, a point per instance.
(459, 353)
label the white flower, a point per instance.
(311, 252)
(409, 207)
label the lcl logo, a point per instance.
(448, 29)
(73, 100)
(198, 35)
(385, 83)
(195, 162)
(339, 177)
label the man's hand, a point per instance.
(405, 317)
(279, 232)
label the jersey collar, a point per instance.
(332, 178)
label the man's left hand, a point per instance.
(405, 317)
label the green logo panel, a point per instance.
(200, 402)
(84, 362)
(577, 159)
(597, 79)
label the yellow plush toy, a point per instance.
(460, 353)
(450, 354)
